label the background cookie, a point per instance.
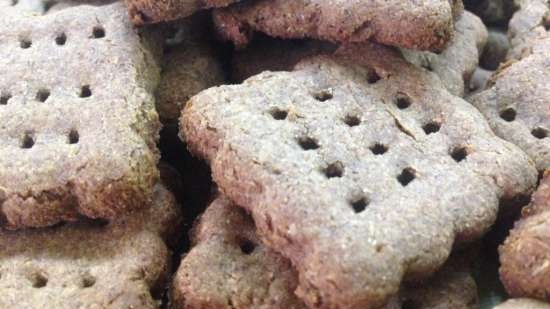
(525, 255)
(529, 23)
(341, 163)
(92, 264)
(427, 25)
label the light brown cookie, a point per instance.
(529, 24)
(122, 264)
(361, 169)
(426, 25)
(525, 255)
(523, 303)
(456, 64)
(230, 268)
(516, 103)
(153, 11)
(78, 121)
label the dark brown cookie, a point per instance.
(427, 25)
(230, 268)
(78, 121)
(153, 11)
(360, 168)
(525, 255)
(122, 264)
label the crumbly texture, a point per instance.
(188, 69)
(425, 25)
(122, 264)
(523, 303)
(78, 121)
(529, 24)
(271, 54)
(360, 168)
(229, 268)
(456, 64)
(516, 103)
(153, 11)
(495, 51)
(525, 255)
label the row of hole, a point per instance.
(98, 32)
(353, 121)
(43, 94)
(28, 140)
(509, 115)
(39, 280)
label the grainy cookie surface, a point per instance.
(78, 124)
(517, 104)
(529, 23)
(154, 11)
(122, 264)
(230, 268)
(525, 255)
(361, 169)
(426, 25)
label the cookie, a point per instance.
(530, 23)
(360, 168)
(523, 303)
(525, 255)
(516, 103)
(495, 51)
(90, 264)
(187, 69)
(230, 268)
(151, 11)
(79, 125)
(456, 64)
(426, 26)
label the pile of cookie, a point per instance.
(274, 154)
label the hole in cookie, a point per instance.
(372, 76)
(278, 114)
(25, 43)
(61, 39)
(28, 141)
(14, 2)
(508, 114)
(406, 176)
(308, 143)
(459, 154)
(402, 101)
(85, 91)
(4, 99)
(431, 127)
(73, 137)
(98, 32)
(38, 280)
(540, 133)
(87, 281)
(323, 95)
(360, 204)
(247, 247)
(352, 120)
(333, 170)
(379, 149)
(42, 95)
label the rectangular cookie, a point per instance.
(360, 168)
(229, 267)
(91, 264)
(79, 124)
(425, 25)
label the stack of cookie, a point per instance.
(357, 154)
